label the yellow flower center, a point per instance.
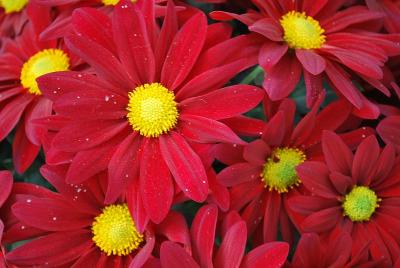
(360, 203)
(114, 231)
(114, 2)
(302, 31)
(152, 110)
(43, 62)
(11, 6)
(279, 171)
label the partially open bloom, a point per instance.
(79, 230)
(322, 42)
(334, 251)
(263, 175)
(356, 193)
(156, 96)
(231, 251)
(22, 60)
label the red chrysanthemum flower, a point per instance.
(355, 193)
(262, 174)
(336, 251)
(231, 251)
(79, 230)
(21, 61)
(321, 41)
(157, 94)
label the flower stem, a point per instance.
(252, 76)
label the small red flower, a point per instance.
(262, 174)
(157, 96)
(321, 41)
(356, 193)
(76, 229)
(231, 251)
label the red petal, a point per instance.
(270, 54)
(41, 108)
(204, 130)
(310, 204)
(231, 250)
(52, 250)
(322, 221)
(223, 103)
(343, 84)
(311, 61)
(102, 60)
(282, 78)
(256, 152)
(302, 257)
(11, 113)
(341, 182)
(315, 176)
(239, 173)
(271, 216)
(364, 162)
(389, 130)
(267, 255)
(156, 187)
(203, 233)
(219, 195)
(132, 41)
(172, 255)
(123, 166)
(51, 214)
(88, 163)
(24, 151)
(174, 227)
(185, 165)
(144, 254)
(84, 135)
(269, 28)
(274, 132)
(184, 51)
(6, 182)
(338, 156)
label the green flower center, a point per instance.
(360, 203)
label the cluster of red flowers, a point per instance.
(139, 110)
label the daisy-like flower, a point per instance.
(231, 251)
(157, 94)
(335, 251)
(322, 42)
(263, 175)
(356, 193)
(79, 230)
(21, 61)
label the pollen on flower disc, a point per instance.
(279, 172)
(43, 62)
(115, 232)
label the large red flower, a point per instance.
(157, 94)
(231, 251)
(356, 193)
(321, 41)
(21, 61)
(79, 230)
(262, 174)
